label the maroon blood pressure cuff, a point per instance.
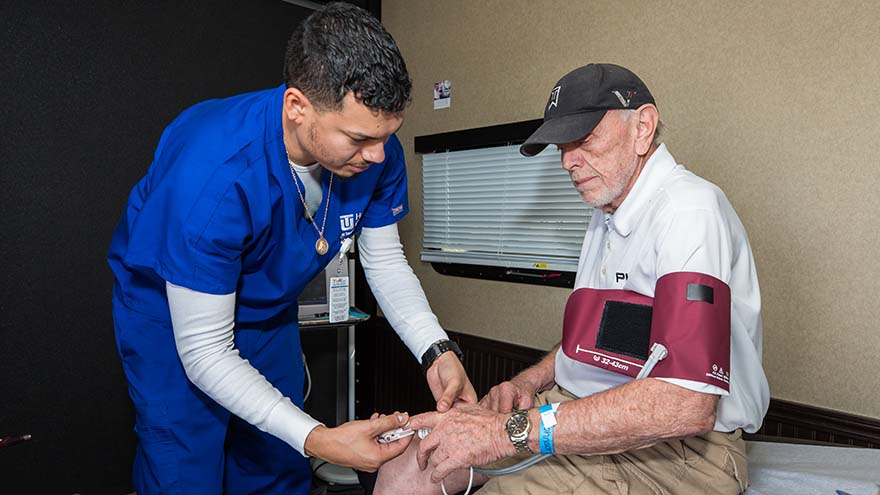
(689, 315)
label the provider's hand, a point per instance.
(506, 396)
(466, 435)
(354, 444)
(449, 382)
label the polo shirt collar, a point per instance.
(659, 166)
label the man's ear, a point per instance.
(646, 127)
(296, 105)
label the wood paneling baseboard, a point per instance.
(390, 379)
(787, 419)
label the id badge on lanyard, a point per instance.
(338, 289)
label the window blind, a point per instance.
(495, 207)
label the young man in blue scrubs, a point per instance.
(247, 199)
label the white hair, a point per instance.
(626, 115)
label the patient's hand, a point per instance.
(506, 396)
(466, 435)
(354, 444)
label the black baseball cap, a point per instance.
(579, 101)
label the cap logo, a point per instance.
(624, 101)
(554, 97)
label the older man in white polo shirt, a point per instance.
(659, 369)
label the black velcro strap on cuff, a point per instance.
(625, 329)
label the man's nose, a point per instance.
(374, 153)
(569, 160)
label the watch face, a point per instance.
(517, 424)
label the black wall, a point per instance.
(86, 88)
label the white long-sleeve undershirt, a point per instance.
(204, 334)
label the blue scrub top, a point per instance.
(218, 212)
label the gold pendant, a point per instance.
(321, 246)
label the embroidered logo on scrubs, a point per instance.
(396, 210)
(347, 222)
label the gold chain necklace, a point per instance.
(321, 245)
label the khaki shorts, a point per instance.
(710, 463)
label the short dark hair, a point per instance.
(342, 48)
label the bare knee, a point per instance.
(402, 475)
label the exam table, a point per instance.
(790, 468)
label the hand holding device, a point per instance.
(394, 435)
(353, 444)
(397, 434)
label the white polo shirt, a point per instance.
(674, 221)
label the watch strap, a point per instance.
(437, 349)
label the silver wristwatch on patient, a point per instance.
(517, 427)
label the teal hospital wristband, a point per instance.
(548, 423)
(546, 440)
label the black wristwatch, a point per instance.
(438, 348)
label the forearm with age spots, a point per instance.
(631, 416)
